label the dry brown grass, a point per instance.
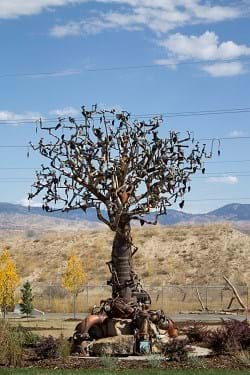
(169, 255)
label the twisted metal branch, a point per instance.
(116, 166)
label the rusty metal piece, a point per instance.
(82, 329)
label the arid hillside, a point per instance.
(191, 254)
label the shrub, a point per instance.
(29, 338)
(11, 343)
(47, 347)
(50, 347)
(109, 362)
(232, 336)
(240, 331)
(243, 357)
(63, 348)
(196, 332)
(176, 350)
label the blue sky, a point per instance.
(199, 53)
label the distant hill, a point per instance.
(16, 216)
(234, 211)
(197, 254)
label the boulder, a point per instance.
(116, 345)
(198, 351)
(112, 327)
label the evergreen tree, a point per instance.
(27, 298)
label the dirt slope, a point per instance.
(193, 255)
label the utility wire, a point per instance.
(207, 162)
(61, 73)
(138, 116)
(208, 175)
(200, 139)
(218, 199)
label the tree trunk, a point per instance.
(74, 305)
(122, 266)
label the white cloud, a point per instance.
(66, 111)
(160, 16)
(16, 8)
(230, 180)
(205, 47)
(32, 203)
(70, 29)
(62, 73)
(237, 133)
(227, 69)
(9, 116)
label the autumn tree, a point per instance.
(74, 277)
(26, 305)
(9, 281)
(123, 169)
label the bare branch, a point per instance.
(123, 165)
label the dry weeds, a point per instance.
(166, 255)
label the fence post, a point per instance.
(206, 298)
(162, 295)
(247, 303)
(50, 295)
(221, 299)
(87, 295)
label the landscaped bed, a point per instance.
(123, 372)
(229, 348)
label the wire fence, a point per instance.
(170, 298)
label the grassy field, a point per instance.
(123, 372)
(53, 327)
(174, 255)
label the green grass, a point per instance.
(4, 371)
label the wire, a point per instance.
(142, 116)
(218, 199)
(227, 161)
(61, 73)
(207, 162)
(200, 139)
(207, 176)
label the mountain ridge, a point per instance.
(233, 212)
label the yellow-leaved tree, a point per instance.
(74, 277)
(9, 281)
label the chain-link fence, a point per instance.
(170, 298)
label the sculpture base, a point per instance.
(108, 328)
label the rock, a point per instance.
(117, 327)
(112, 327)
(116, 345)
(159, 342)
(198, 351)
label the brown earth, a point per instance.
(177, 255)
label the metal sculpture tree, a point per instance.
(124, 170)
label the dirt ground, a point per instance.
(57, 324)
(223, 362)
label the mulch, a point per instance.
(222, 361)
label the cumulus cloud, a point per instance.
(60, 73)
(14, 118)
(236, 133)
(226, 69)
(66, 111)
(17, 8)
(205, 47)
(32, 203)
(160, 16)
(230, 180)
